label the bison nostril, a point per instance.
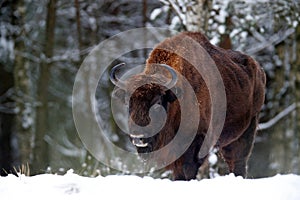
(156, 107)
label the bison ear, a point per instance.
(174, 94)
(119, 94)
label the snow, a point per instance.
(72, 186)
(155, 13)
(174, 23)
(212, 158)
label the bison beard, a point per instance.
(244, 82)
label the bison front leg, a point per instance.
(189, 163)
(188, 168)
(237, 153)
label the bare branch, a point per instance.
(7, 94)
(278, 117)
(67, 149)
(7, 110)
(274, 40)
(176, 8)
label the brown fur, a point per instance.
(244, 82)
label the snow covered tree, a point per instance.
(7, 104)
(41, 154)
(197, 14)
(23, 84)
(296, 73)
(193, 15)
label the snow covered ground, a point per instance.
(72, 186)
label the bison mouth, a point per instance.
(138, 141)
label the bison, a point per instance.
(244, 82)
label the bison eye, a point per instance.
(120, 95)
(172, 95)
(156, 100)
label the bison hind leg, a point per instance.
(237, 153)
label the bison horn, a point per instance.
(173, 74)
(113, 77)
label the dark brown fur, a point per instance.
(244, 82)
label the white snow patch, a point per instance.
(155, 13)
(249, 17)
(93, 23)
(212, 159)
(174, 23)
(72, 186)
(222, 29)
(215, 40)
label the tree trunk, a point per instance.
(78, 24)
(144, 24)
(6, 123)
(225, 42)
(286, 92)
(197, 15)
(296, 72)
(7, 113)
(41, 157)
(22, 83)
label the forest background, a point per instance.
(43, 43)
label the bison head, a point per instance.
(148, 98)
